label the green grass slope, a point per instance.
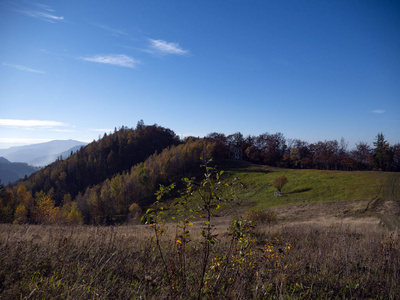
(313, 186)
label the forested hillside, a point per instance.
(123, 196)
(100, 160)
(113, 179)
(100, 182)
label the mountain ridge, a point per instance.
(41, 154)
(13, 171)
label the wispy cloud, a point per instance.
(23, 68)
(42, 12)
(163, 47)
(114, 31)
(378, 111)
(120, 60)
(63, 130)
(31, 123)
(101, 130)
(23, 140)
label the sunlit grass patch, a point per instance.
(313, 186)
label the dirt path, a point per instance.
(371, 213)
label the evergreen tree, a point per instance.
(381, 152)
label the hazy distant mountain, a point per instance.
(67, 153)
(41, 154)
(11, 172)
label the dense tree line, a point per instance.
(275, 150)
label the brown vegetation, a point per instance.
(287, 260)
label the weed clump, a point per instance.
(261, 217)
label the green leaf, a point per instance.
(149, 210)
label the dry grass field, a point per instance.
(345, 250)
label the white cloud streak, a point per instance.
(30, 123)
(120, 60)
(43, 12)
(101, 130)
(63, 130)
(43, 16)
(164, 47)
(112, 31)
(23, 140)
(23, 68)
(378, 111)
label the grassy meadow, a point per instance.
(332, 235)
(313, 186)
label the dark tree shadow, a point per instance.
(245, 166)
(299, 191)
(256, 171)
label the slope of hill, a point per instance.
(69, 152)
(100, 160)
(40, 154)
(11, 172)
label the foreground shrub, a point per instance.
(209, 194)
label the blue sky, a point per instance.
(314, 70)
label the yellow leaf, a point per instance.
(178, 241)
